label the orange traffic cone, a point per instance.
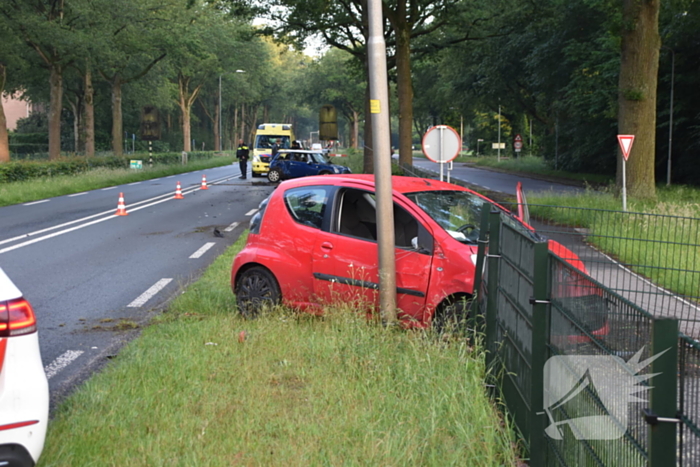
(121, 208)
(204, 182)
(178, 192)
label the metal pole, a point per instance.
(221, 148)
(442, 150)
(499, 132)
(670, 117)
(381, 132)
(461, 134)
(530, 137)
(624, 185)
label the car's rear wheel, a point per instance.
(257, 290)
(274, 175)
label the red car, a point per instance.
(313, 242)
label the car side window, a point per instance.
(307, 205)
(357, 216)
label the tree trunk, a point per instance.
(75, 108)
(355, 128)
(117, 126)
(4, 137)
(186, 136)
(89, 120)
(639, 66)
(55, 107)
(405, 93)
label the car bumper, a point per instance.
(24, 399)
(261, 167)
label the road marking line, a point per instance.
(251, 212)
(201, 251)
(36, 202)
(148, 294)
(135, 183)
(61, 362)
(78, 194)
(108, 188)
(132, 208)
(231, 227)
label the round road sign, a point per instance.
(441, 144)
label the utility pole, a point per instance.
(499, 132)
(381, 145)
(221, 148)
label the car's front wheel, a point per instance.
(452, 315)
(274, 175)
(257, 289)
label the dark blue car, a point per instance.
(295, 163)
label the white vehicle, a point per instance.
(24, 389)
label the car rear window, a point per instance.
(307, 205)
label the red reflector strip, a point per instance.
(10, 426)
(3, 346)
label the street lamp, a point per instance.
(670, 116)
(221, 146)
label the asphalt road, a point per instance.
(495, 181)
(93, 277)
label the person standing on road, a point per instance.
(276, 147)
(242, 155)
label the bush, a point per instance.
(16, 171)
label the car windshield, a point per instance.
(266, 141)
(459, 213)
(319, 158)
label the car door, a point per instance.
(345, 258)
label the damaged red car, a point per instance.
(314, 242)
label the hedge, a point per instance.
(15, 171)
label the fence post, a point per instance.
(492, 293)
(663, 397)
(540, 336)
(480, 257)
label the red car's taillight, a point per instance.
(16, 318)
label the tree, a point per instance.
(639, 66)
(47, 27)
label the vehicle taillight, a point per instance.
(16, 318)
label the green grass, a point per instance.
(661, 239)
(299, 390)
(36, 189)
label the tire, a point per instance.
(324, 172)
(256, 290)
(452, 315)
(274, 175)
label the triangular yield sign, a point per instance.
(625, 144)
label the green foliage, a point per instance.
(16, 171)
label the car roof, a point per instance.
(8, 290)
(300, 151)
(399, 183)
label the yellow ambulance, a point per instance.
(265, 136)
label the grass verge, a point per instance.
(49, 187)
(298, 390)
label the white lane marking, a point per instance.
(148, 294)
(201, 251)
(61, 362)
(251, 212)
(131, 208)
(36, 202)
(172, 176)
(55, 234)
(78, 194)
(108, 188)
(135, 183)
(231, 227)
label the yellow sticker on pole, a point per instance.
(374, 106)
